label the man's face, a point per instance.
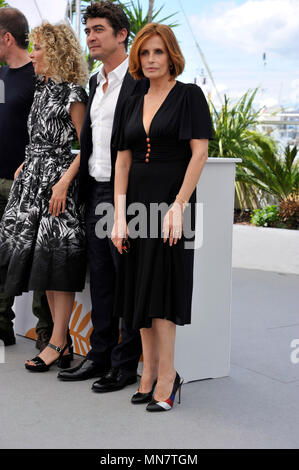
(3, 46)
(100, 38)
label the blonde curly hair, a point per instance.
(64, 58)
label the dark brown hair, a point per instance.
(171, 44)
(14, 22)
(113, 13)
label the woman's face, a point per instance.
(37, 56)
(154, 58)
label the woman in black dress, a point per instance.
(163, 146)
(42, 238)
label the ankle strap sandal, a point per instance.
(41, 366)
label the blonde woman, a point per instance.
(42, 239)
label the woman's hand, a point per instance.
(58, 199)
(173, 223)
(119, 232)
(18, 170)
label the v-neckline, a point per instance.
(161, 105)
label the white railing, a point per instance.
(283, 127)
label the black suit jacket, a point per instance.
(129, 87)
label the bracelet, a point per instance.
(180, 199)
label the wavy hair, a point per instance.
(64, 58)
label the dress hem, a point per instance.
(139, 325)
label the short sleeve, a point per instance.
(195, 120)
(76, 94)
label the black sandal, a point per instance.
(63, 362)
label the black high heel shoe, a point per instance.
(66, 359)
(155, 405)
(61, 361)
(139, 397)
(69, 341)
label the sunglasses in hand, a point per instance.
(125, 245)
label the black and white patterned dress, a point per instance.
(39, 251)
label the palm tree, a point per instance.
(150, 11)
(236, 137)
(275, 174)
(264, 176)
(138, 18)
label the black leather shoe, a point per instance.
(139, 398)
(114, 380)
(8, 337)
(87, 369)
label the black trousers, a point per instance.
(103, 261)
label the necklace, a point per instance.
(161, 94)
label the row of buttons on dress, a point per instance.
(148, 150)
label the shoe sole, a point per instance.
(35, 370)
(157, 411)
(72, 379)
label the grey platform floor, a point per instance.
(256, 406)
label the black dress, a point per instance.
(155, 280)
(39, 251)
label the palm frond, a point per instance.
(263, 172)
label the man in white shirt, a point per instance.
(102, 115)
(107, 29)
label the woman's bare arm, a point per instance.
(60, 189)
(199, 157)
(122, 168)
(173, 220)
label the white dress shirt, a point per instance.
(102, 116)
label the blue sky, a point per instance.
(233, 36)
